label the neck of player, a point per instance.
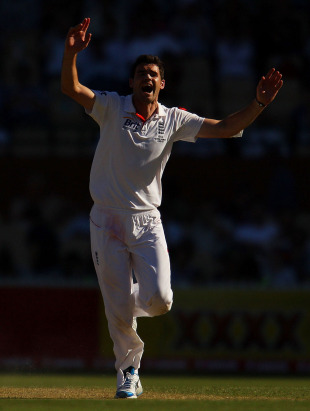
(146, 110)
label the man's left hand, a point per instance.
(269, 86)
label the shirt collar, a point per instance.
(130, 108)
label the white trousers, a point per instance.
(123, 243)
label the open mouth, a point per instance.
(147, 89)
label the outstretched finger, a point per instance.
(275, 80)
(270, 73)
(278, 76)
(279, 84)
(75, 29)
(87, 40)
(85, 24)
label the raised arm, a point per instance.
(76, 41)
(266, 91)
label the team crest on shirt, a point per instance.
(160, 132)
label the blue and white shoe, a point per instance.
(132, 387)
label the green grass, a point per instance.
(40, 392)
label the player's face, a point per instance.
(147, 83)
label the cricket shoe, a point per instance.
(132, 387)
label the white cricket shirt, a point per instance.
(131, 154)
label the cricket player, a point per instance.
(136, 138)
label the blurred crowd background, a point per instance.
(215, 51)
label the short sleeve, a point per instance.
(187, 126)
(104, 101)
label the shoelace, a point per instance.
(128, 381)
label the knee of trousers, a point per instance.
(160, 304)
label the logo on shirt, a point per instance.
(131, 125)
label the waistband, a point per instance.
(120, 211)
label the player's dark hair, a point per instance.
(148, 59)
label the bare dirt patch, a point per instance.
(55, 393)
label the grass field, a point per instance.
(42, 392)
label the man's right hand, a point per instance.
(77, 39)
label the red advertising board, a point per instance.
(46, 327)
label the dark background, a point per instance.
(236, 212)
